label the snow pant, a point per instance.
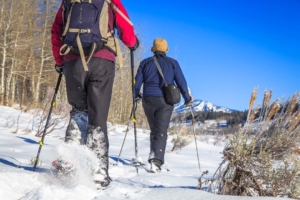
(89, 94)
(158, 114)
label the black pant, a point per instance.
(91, 91)
(158, 114)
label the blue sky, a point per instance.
(227, 47)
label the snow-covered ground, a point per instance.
(18, 181)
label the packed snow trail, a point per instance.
(18, 181)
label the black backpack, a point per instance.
(86, 27)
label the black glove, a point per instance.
(137, 44)
(59, 69)
(138, 98)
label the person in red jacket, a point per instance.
(89, 91)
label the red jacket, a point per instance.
(125, 33)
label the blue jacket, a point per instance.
(148, 75)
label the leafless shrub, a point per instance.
(33, 160)
(199, 130)
(217, 139)
(10, 122)
(179, 142)
(177, 129)
(262, 158)
(200, 182)
(204, 138)
(229, 136)
(18, 120)
(26, 131)
(59, 116)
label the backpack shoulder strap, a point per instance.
(103, 26)
(159, 68)
(67, 23)
(103, 22)
(119, 11)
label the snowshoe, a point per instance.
(137, 162)
(63, 167)
(100, 184)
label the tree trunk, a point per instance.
(43, 53)
(9, 85)
(5, 88)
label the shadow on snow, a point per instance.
(158, 186)
(12, 164)
(123, 161)
(30, 141)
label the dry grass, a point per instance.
(253, 98)
(179, 142)
(273, 110)
(262, 159)
(296, 150)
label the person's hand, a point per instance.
(189, 103)
(59, 69)
(137, 44)
(138, 98)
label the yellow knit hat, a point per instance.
(160, 44)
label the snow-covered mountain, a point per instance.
(200, 105)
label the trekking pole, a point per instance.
(127, 129)
(47, 122)
(136, 162)
(193, 124)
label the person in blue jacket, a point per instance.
(157, 111)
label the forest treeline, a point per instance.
(232, 119)
(26, 61)
(27, 65)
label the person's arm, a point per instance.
(56, 33)
(139, 79)
(190, 103)
(125, 29)
(181, 83)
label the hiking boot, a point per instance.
(101, 178)
(155, 166)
